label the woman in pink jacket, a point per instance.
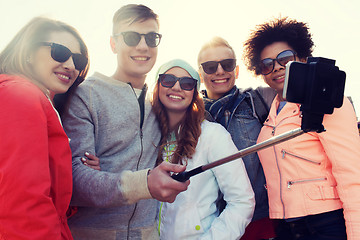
(312, 180)
(46, 57)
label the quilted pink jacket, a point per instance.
(315, 172)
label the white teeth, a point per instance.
(63, 76)
(220, 81)
(175, 97)
(279, 77)
(140, 58)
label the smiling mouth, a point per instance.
(63, 77)
(140, 58)
(279, 78)
(219, 80)
(175, 97)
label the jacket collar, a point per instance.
(290, 109)
(229, 102)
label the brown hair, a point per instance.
(189, 128)
(133, 13)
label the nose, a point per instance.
(219, 69)
(69, 64)
(142, 44)
(177, 86)
(277, 66)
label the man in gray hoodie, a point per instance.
(111, 117)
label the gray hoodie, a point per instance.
(104, 119)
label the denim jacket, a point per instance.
(236, 112)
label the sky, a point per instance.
(187, 24)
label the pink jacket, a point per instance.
(313, 173)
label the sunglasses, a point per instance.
(132, 39)
(169, 80)
(211, 67)
(61, 54)
(267, 65)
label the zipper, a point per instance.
(160, 209)
(141, 109)
(304, 181)
(278, 167)
(302, 158)
(273, 128)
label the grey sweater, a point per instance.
(104, 119)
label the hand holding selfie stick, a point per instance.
(183, 176)
(317, 85)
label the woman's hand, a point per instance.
(91, 161)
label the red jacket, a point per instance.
(315, 172)
(35, 164)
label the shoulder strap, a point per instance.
(141, 100)
(261, 108)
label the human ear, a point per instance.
(113, 44)
(201, 77)
(237, 71)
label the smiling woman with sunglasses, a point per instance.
(46, 57)
(312, 180)
(188, 139)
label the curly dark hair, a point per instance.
(295, 34)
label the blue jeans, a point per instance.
(323, 226)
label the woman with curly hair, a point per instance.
(190, 140)
(312, 180)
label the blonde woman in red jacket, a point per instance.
(312, 180)
(46, 57)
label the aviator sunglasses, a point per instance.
(211, 67)
(267, 65)
(132, 39)
(61, 54)
(169, 80)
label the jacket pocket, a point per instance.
(323, 193)
(284, 153)
(309, 180)
(191, 226)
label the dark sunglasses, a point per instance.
(61, 54)
(169, 80)
(132, 39)
(267, 65)
(211, 67)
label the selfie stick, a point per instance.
(322, 91)
(183, 176)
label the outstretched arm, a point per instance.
(161, 186)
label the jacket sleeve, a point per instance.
(27, 210)
(234, 183)
(92, 187)
(341, 143)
